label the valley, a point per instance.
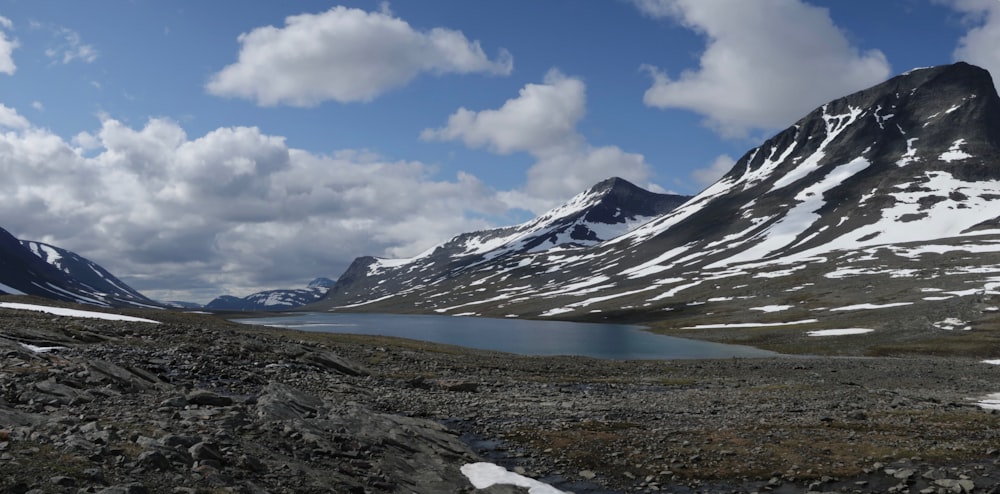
(862, 243)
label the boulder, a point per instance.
(334, 362)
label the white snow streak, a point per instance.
(59, 311)
(751, 324)
(10, 291)
(839, 332)
(871, 306)
(772, 308)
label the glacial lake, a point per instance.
(520, 336)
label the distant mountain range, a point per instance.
(35, 268)
(606, 211)
(274, 300)
(879, 209)
(43, 270)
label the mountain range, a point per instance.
(879, 209)
(273, 300)
(605, 211)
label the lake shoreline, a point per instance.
(517, 336)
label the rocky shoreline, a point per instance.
(199, 405)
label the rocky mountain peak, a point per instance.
(940, 114)
(617, 194)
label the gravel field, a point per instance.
(196, 404)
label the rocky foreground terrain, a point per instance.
(198, 405)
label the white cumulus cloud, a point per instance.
(766, 63)
(542, 121)
(713, 172)
(11, 119)
(345, 55)
(979, 45)
(231, 211)
(7, 47)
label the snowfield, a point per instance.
(59, 311)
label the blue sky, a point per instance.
(203, 148)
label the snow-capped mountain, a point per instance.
(35, 268)
(274, 300)
(605, 211)
(881, 208)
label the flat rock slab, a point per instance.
(334, 362)
(205, 397)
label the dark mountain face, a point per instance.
(34, 268)
(88, 272)
(607, 210)
(884, 200)
(894, 163)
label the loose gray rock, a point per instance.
(153, 459)
(205, 451)
(208, 398)
(334, 362)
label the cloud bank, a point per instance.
(766, 63)
(234, 210)
(345, 55)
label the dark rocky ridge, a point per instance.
(75, 279)
(200, 405)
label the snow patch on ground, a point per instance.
(772, 308)
(839, 332)
(871, 306)
(484, 475)
(42, 349)
(989, 402)
(952, 323)
(555, 312)
(59, 311)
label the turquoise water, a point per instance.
(525, 337)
